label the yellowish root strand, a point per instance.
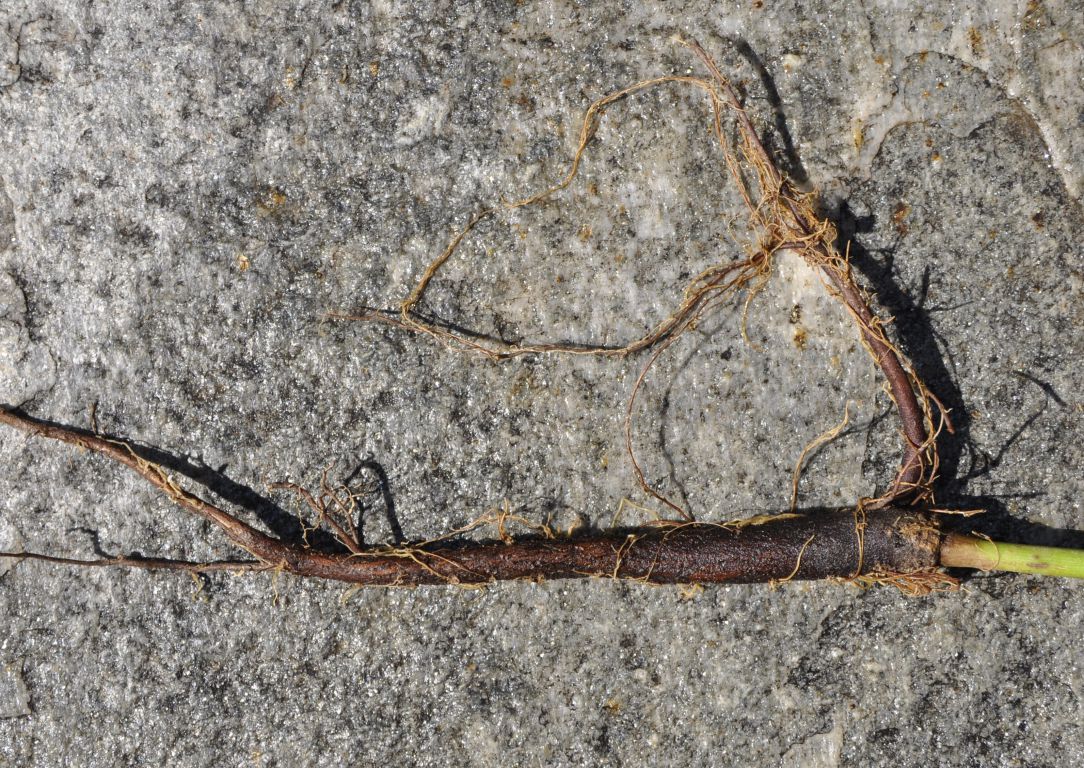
(797, 565)
(817, 442)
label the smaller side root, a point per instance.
(145, 563)
(781, 218)
(821, 440)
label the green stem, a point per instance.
(959, 551)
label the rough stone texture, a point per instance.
(186, 191)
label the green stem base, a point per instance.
(960, 551)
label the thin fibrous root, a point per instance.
(782, 218)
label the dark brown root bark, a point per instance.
(844, 544)
(832, 544)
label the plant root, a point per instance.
(782, 218)
(775, 548)
(887, 540)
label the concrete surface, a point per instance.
(187, 189)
